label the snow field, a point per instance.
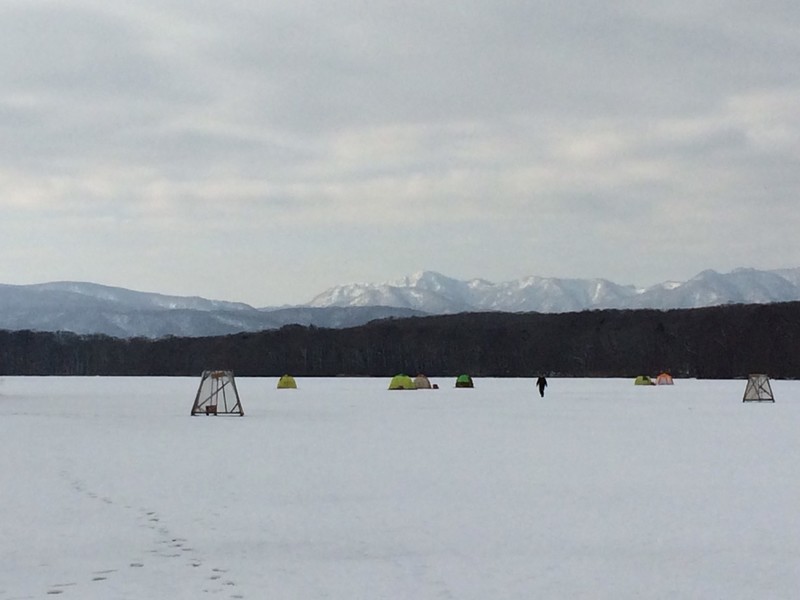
(343, 489)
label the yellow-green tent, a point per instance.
(287, 382)
(643, 380)
(402, 382)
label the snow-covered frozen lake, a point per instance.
(342, 489)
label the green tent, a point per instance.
(287, 382)
(464, 381)
(643, 380)
(402, 382)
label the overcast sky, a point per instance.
(263, 151)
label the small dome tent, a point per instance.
(401, 382)
(287, 382)
(421, 382)
(643, 380)
(464, 381)
(758, 389)
(664, 379)
(217, 395)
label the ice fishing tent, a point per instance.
(217, 395)
(758, 389)
(643, 380)
(421, 382)
(287, 382)
(664, 379)
(401, 382)
(464, 381)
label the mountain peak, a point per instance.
(433, 292)
(93, 308)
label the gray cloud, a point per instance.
(349, 141)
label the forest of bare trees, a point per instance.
(719, 342)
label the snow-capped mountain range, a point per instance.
(92, 308)
(432, 292)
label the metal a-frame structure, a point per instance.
(217, 395)
(758, 389)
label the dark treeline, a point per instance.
(719, 342)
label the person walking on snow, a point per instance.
(541, 383)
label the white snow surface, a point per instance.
(343, 489)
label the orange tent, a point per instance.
(664, 379)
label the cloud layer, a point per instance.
(262, 151)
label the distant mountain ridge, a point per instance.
(432, 292)
(89, 308)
